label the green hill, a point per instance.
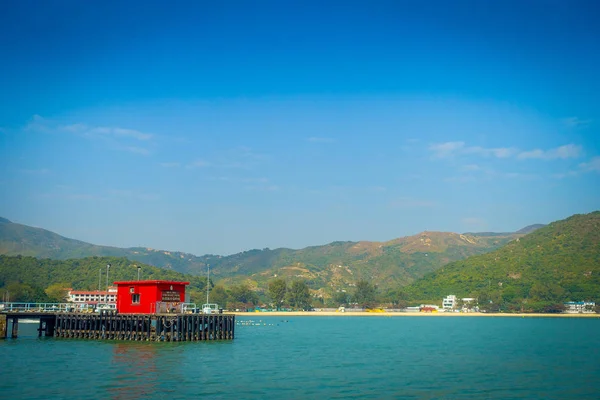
(326, 268)
(555, 263)
(20, 273)
(339, 265)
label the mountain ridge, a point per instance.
(557, 262)
(330, 267)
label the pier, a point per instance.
(151, 310)
(169, 327)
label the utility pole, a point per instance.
(207, 282)
(107, 268)
(100, 281)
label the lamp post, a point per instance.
(100, 281)
(107, 268)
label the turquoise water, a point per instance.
(321, 357)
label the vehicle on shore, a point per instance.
(211, 308)
(106, 307)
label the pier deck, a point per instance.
(137, 327)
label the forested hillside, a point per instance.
(327, 268)
(28, 278)
(556, 263)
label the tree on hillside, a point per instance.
(21, 292)
(298, 295)
(341, 298)
(398, 298)
(550, 292)
(57, 292)
(219, 295)
(365, 293)
(277, 289)
(243, 294)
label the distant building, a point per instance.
(92, 296)
(580, 307)
(449, 302)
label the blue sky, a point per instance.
(218, 127)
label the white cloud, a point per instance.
(131, 133)
(453, 149)
(592, 165)
(119, 138)
(562, 152)
(447, 149)
(114, 132)
(456, 149)
(576, 122)
(471, 167)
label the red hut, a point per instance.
(149, 297)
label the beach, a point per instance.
(403, 314)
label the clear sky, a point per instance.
(222, 126)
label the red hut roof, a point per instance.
(155, 282)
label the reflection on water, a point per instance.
(138, 374)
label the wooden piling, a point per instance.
(3, 326)
(15, 327)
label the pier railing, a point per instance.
(46, 307)
(183, 308)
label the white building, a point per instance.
(449, 302)
(580, 307)
(92, 296)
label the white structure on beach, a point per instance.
(580, 307)
(449, 302)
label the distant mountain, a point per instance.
(338, 265)
(530, 228)
(17, 239)
(555, 263)
(523, 231)
(331, 267)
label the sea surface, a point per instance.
(320, 358)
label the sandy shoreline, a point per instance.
(402, 314)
